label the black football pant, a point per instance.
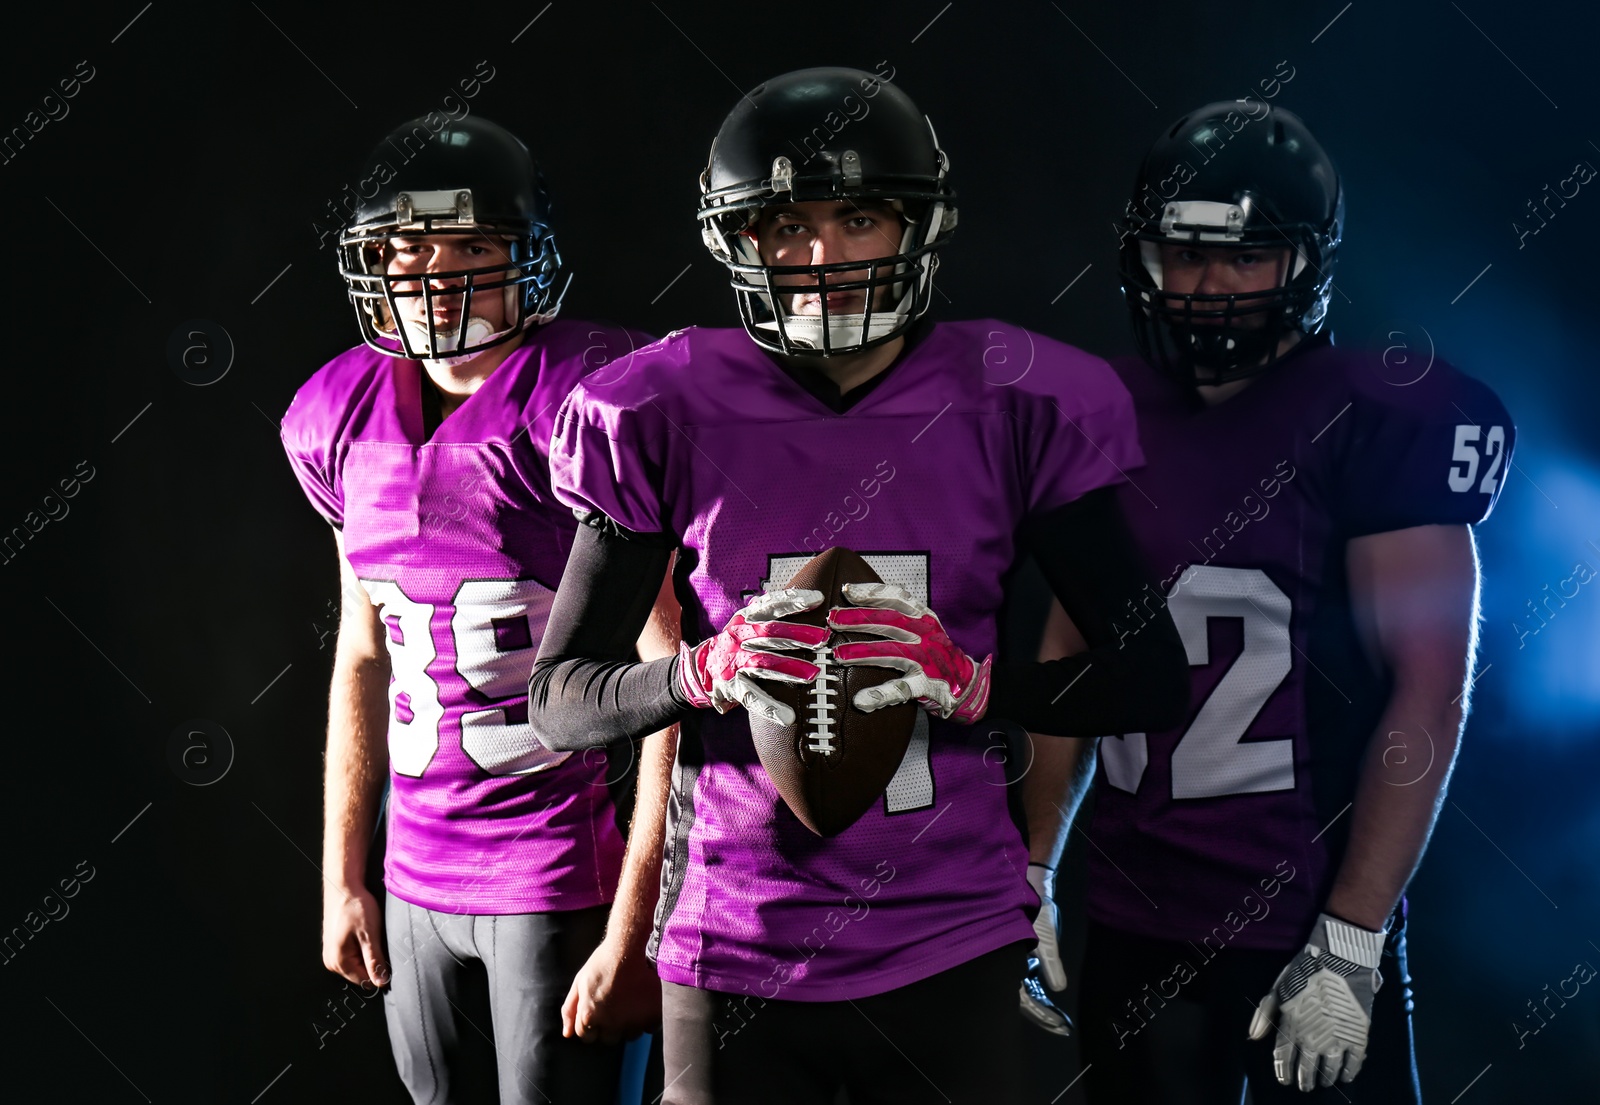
(954, 1037)
(474, 1007)
(1194, 1048)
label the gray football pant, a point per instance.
(475, 1002)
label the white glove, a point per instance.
(1037, 1006)
(1046, 959)
(1321, 1006)
(1047, 926)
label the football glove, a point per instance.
(1044, 965)
(721, 671)
(1321, 1006)
(1037, 1006)
(939, 677)
(1047, 926)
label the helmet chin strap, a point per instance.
(478, 331)
(843, 330)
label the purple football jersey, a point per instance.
(460, 544)
(1228, 830)
(927, 476)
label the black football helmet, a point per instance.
(472, 177)
(1233, 174)
(827, 134)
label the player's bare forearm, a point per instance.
(1414, 593)
(357, 750)
(616, 994)
(1402, 786)
(1052, 791)
(633, 912)
(357, 760)
(1062, 767)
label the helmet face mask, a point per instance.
(888, 157)
(499, 198)
(894, 289)
(1270, 188)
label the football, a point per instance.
(834, 761)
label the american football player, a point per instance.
(882, 959)
(426, 449)
(1245, 900)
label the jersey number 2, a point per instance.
(1211, 759)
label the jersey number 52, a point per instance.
(1464, 460)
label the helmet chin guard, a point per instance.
(1240, 175)
(480, 335)
(860, 140)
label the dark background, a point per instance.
(186, 578)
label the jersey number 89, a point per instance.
(493, 632)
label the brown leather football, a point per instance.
(835, 761)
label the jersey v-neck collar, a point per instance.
(421, 404)
(432, 405)
(822, 388)
(1187, 396)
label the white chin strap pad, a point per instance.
(843, 330)
(478, 332)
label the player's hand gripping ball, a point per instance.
(721, 671)
(938, 676)
(828, 759)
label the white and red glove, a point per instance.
(939, 677)
(721, 671)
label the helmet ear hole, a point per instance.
(512, 294)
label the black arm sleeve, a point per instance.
(588, 688)
(1135, 675)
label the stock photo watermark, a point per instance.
(53, 907)
(53, 507)
(52, 108)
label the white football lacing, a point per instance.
(820, 735)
